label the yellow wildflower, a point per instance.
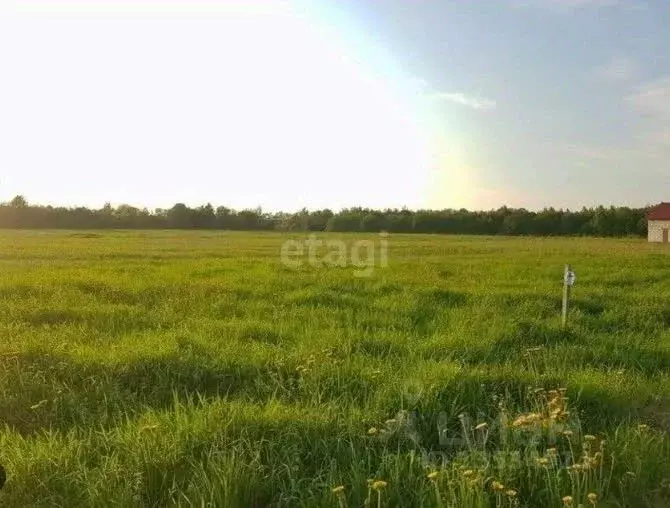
(379, 485)
(525, 420)
(593, 498)
(560, 415)
(519, 421)
(372, 431)
(542, 461)
(567, 500)
(497, 486)
(433, 476)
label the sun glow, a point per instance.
(245, 104)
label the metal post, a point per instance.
(566, 294)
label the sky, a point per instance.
(288, 104)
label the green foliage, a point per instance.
(617, 222)
(188, 369)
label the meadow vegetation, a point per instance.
(173, 368)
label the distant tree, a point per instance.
(204, 217)
(600, 221)
(346, 220)
(179, 216)
(18, 202)
(399, 221)
(374, 221)
(249, 219)
(318, 221)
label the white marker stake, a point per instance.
(568, 281)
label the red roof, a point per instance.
(661, 212)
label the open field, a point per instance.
(195, 369)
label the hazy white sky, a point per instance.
(244, 105)
(285, 104)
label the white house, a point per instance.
(659, 224)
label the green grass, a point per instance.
(195, 369)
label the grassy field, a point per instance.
(195, 369)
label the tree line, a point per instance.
(598, 221)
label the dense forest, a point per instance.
(600, 221)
